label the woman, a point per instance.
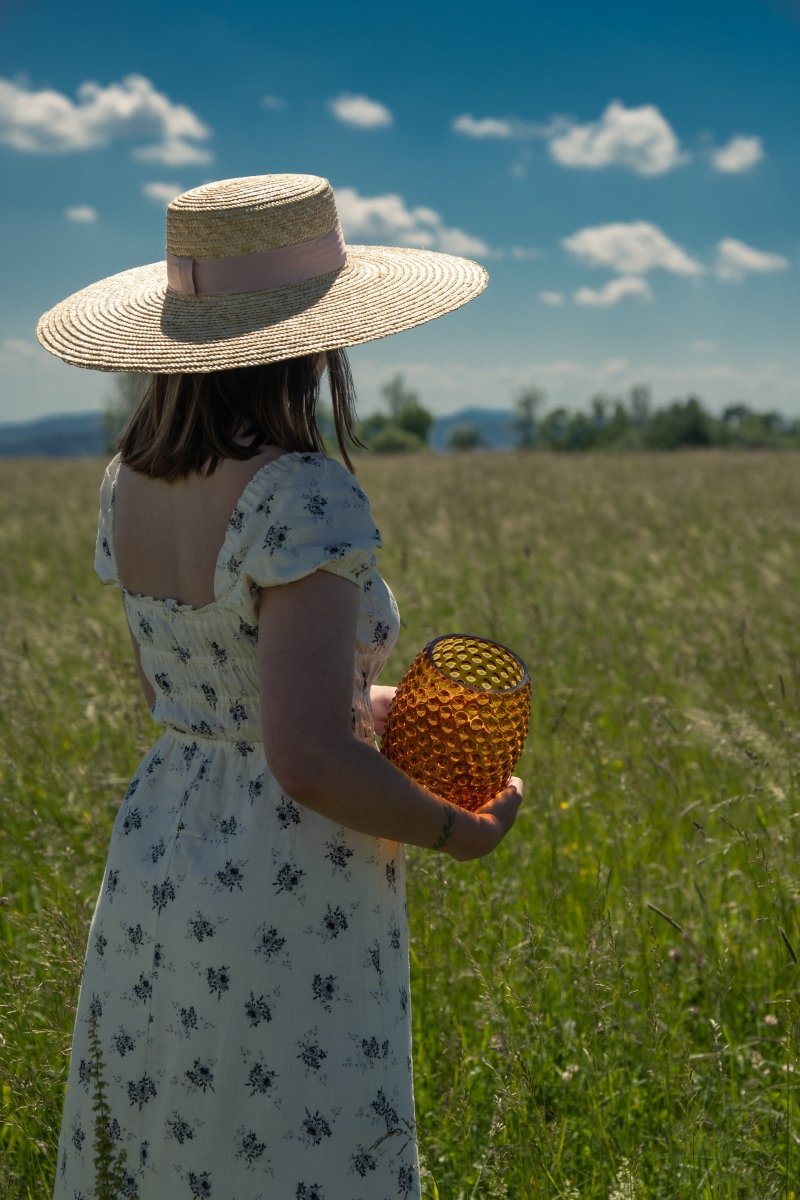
(245, 990)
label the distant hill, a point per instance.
(494, 424)
(74, 435)
(69, 435)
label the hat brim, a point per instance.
(134, 322)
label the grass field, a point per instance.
(607, 1007)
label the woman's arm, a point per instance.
(307, 636)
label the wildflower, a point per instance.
(626, 1185)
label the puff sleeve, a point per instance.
(308, 514)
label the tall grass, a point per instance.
(605, 1008)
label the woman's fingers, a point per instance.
(510, 795)
(502, 809)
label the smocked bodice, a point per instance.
(299, 513)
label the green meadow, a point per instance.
(606, 1008)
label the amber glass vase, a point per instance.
(459, 719)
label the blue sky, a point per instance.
(628, 174)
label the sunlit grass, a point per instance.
(605, 1007)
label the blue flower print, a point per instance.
(200, 1076)
(257, 1010)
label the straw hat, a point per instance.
(256, 271)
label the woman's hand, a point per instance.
(380, 697)
(491, 822)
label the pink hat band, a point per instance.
(262, 271)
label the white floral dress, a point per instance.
(247, 962)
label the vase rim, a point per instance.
(473, 687)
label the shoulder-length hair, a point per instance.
(191, 422)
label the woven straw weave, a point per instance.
(261, 213)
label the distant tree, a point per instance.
(465, 437)
(398, 396)
(553, 430)
(394, 440)
(683, 423)
(617, 428)
(640, 404)
(405, 410)
(742, 426)
(774, 422)
(734, 414)
(372, 425)
(407, 425)
(580, 432)
(526, 412)
(601, 407)
(417, 420)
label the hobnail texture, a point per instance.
(459, 718)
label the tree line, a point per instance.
(617, 423)
(609, 423)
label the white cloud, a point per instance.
(388, 219)
(273, 103)
(162, 193)
(360, 111)
(554, 299)
(701, 345)
(47, 122)
(524, 253)
(735, 260)
(15, 348)
(83, 213)
(507, 127)
(483, 127)
(614, 291)
(172, 153)
(638, 138)
(631, 249)
(741, 153)
(455, 241)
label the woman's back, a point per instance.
(168, 535)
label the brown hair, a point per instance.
(190, 422)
